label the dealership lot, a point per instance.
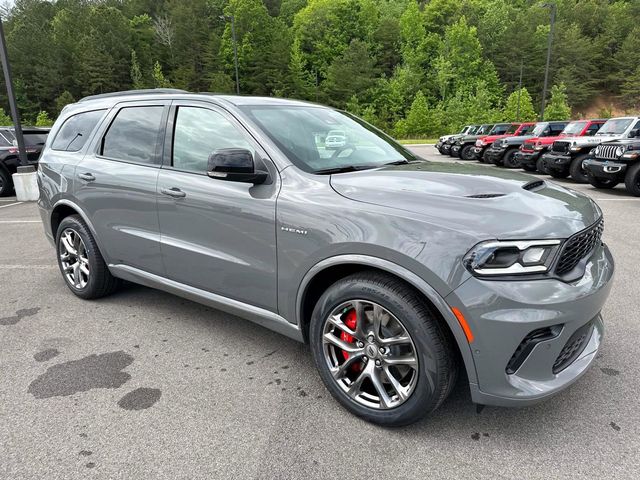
(143, 384)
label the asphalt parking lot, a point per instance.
(143, 384)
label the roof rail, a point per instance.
(146, 91)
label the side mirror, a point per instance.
(234, 165)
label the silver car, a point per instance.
(398, 272)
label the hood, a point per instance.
(622, 141)
(518, 140)
(593, 140)
(482, 202)
(492, 138)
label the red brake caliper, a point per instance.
(350, 320)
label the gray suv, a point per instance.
(398, 272)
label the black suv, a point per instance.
(34, 139)
(614, 162)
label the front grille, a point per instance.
(573, 348)
(561, 147)
(579, 246)
(528, 146)
(527, 344)
(607, 152)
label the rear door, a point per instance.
(216, 235)
(116, 184)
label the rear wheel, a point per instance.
(541, 166)
(81, 264)
(510, 160)
(603, 183)
(578, 173)
(467, 152)
(6, 184)
(632, 180)
(380, 351)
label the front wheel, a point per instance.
(6, 184)
(577, 171)
(632, 180)
(380, 351)
(603, 183)
(510, 160)
(81, 264)
(467, 152)
(541, 166)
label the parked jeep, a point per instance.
(611, 163)
(516, 130)
(503, 152)
(466, 130)
(34, 139)
(483, 129)
(465, 144)
(567, 155)
(532, 152)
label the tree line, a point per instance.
(412, 68)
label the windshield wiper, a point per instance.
(398, 162)
(345, 169)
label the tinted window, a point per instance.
(133, 135)
(35, 139)
(499, 129)
(76, 130)
(556, 128)
(526, 129)
(197, 133)
(593, 128)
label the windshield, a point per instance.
(499, 129)
(484, 129)
(512, 129)
(539, 129)
(615, 126)
(573, 128)
(308, 135)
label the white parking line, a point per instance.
(20, 221)
(617, 199)
(11, 204)
(27, 267)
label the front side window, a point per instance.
(75, 131)
(319, 139)
(512, 129)
(556, 128)
(499, 129)
(484, 129)
(525, 130)
(593, 129)
(199, 132)
(133, 135)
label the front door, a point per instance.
(116, 185)
(216, 235)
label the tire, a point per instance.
(509, 159)
(6, 183)
(541, 166)
(576, 171)
(402, 307)
(98, 282)
(467, 152)
(632, 180)
(602, 183)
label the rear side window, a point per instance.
(75, 131)
(133, 135)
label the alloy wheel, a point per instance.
(73, 258)
(370, 354)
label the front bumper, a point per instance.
(529, 159)
(608, 169)
(502, 313)
(494, 155)
(557, 162)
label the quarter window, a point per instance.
(75, 131)
(133, 135)
(200, 131)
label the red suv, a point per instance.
(530, 156)
(516, 130)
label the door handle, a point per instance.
(87, 177)
(173, 192)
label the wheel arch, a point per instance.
(322, 275)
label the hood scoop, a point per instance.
(534, 185)
(486, 195)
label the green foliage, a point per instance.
(43, 120)
(526, 113)
(455, 58)
(557, 108)
(5, 120)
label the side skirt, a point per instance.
(258, 315)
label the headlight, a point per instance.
(511, 257)
(538, 147)
(596, 151)
(478, 143)
(619, 151)
(503, 143)
(575, 148)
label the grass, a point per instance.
(408, 141)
